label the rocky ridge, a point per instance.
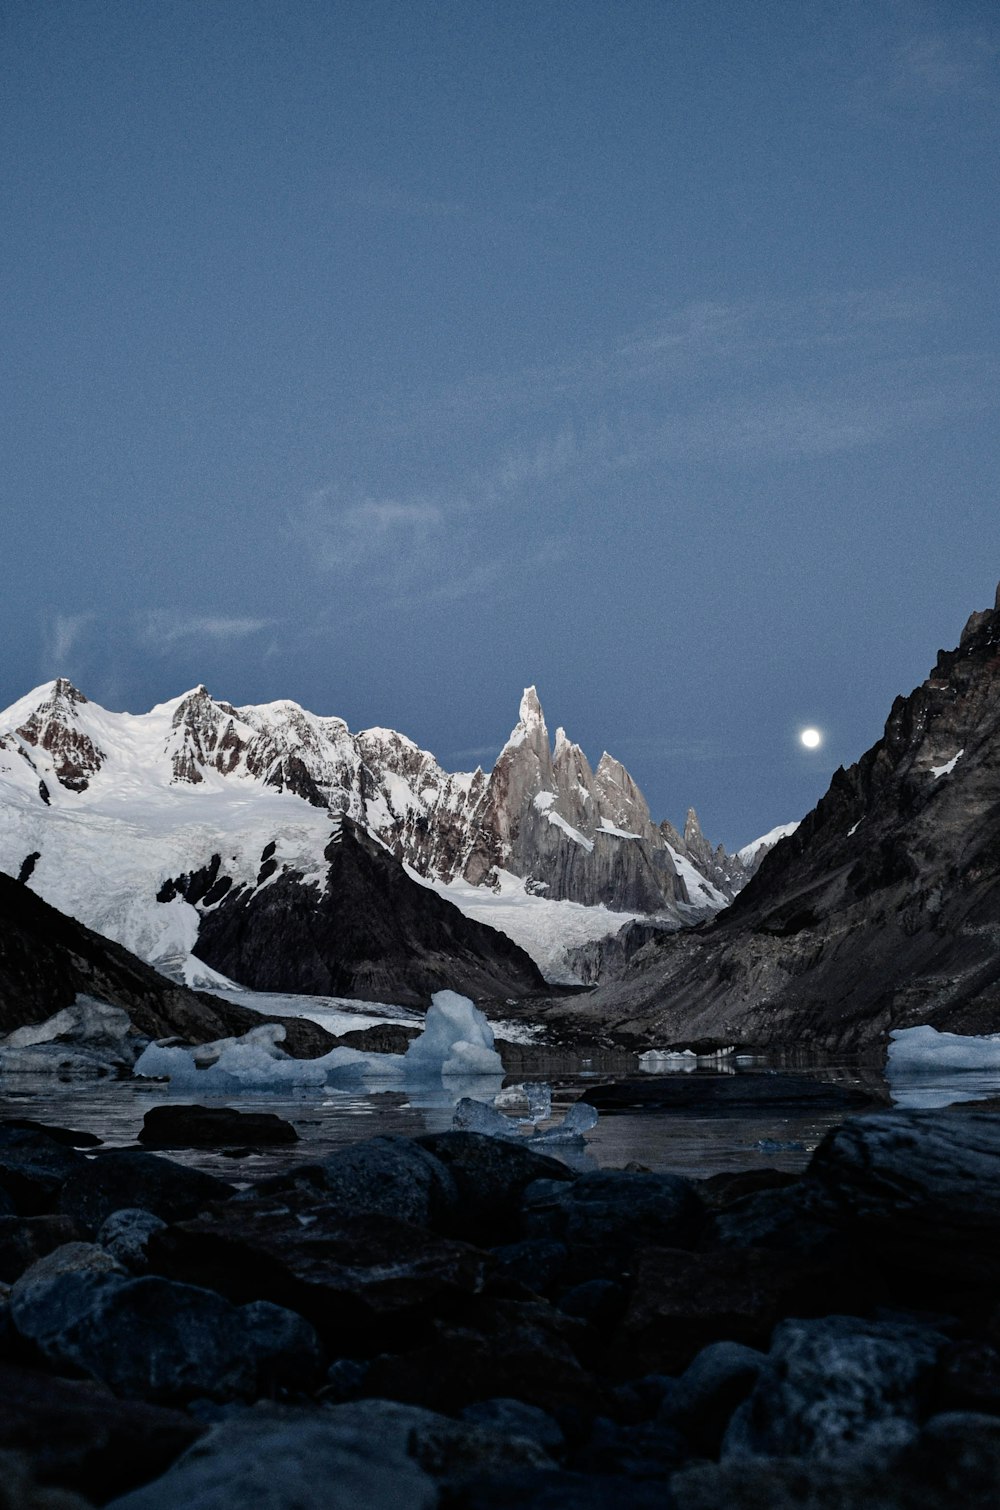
(881, 910)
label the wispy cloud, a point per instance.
(63, 634)
(344, 534)
(163, 629)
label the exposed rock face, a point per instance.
(882, 910)
(575, 833)
(47, 960)
(368, 931)
(729, 873)
(54, 727)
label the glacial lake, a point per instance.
(699, 1140)
(712, 1131)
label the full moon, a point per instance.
(811, 738)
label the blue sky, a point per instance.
(390, 356)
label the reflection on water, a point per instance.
(696, 1141)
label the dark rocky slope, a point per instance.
(47, 959)
(881, 911)
(369, 932)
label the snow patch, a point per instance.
(937, 771)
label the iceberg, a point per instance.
(483, 1117)
(457, 1040)
(924, 1050)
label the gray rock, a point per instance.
(605, 1216)
(954, 1461)
(25, 1239)
(450, 1451)
(705, 1396)
(34, 1167)
(289, 1460)
(516, 1418)
(491, 1176)
(153, 1339)
(536, 1262)
(122, 1178)
(921, 1189)
(833, 1383)
(125, 1235)
(20, 1491)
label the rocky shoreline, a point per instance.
(461, 1321)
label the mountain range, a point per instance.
(272, 846)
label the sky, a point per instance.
(392, 356)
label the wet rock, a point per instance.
(643, 1450)
(564, 1491)
(452, 1452)
(604, 1217)
(516, 1419)
(381, 1037)
(833, 1383)
(953, 1461)
(25, 1239)
(81, 1436)
(20, 1491)
(213, 1127)
(682, 1301)
(790, 1220)
(388, 1176)
(523, 1349)
(702, 1401)
(123, 1178)
(153, 1339)
(126, 1234)
(537, 1263)
(289, 1460)
(491, 1176)
(921, 1194)
(34, 1167)
(969, 1378)
(362, 1280)
(600, 1302)
(721, 1190)
(70, 1137)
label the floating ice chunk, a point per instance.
(924, 1049)
(457, 1040)
(477, 1117)
(539, 1098)
(579, 1119)
(88, 1038)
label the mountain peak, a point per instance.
(530, 711)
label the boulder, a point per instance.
(833, 1383)
(126, 1234)
(515, 1418)
(953, 1461)
(524, 1349)
(125, 1178)
(681, 1301)
(25, 1239)
(289, 1460)
(701, 1402)
(362, 1279)
(491, 1176)
(153, 1339)
(78, 1435)
(34, 1167)
(21, 1491)
(604, 1217)
(172, 1126)
(452, 1452)
(920, 1194)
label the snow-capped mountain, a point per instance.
(103, 812)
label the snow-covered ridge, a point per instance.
(101, 812)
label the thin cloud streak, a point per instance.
(163, 629)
